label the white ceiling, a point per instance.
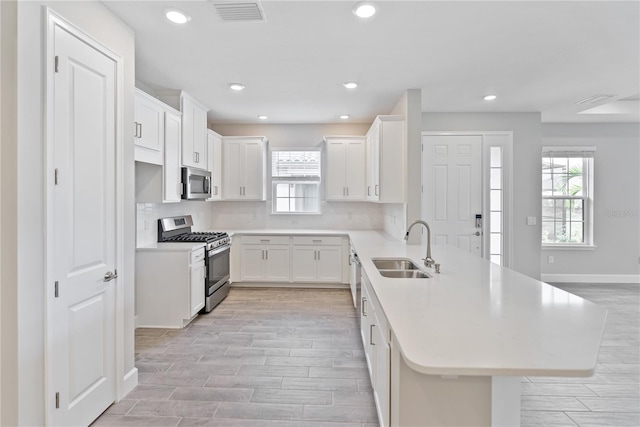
(535, 56)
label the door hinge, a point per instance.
(56, 293)
(55, 176)
(57, 400)
(56, 64)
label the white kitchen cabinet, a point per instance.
(149, 128)
(265, 258)
(243, 176)
(317, 259)
(386, 160)
(214, 164)
(158, 181)
(170, 284)
(194, 127)
(346, 167)
(376, 337)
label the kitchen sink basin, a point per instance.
(395, 264)
(404, 274)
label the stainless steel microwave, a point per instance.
(196, 184)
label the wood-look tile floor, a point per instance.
(293, 357)
(264, 357)
(611, 397)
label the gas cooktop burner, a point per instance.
(178, 229)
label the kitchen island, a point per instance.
(460, 341)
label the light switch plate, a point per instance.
(531, 220)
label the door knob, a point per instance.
(109, 276)
(477, 233)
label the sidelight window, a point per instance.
(567, 196)
(295, 177)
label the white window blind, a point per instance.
(296, 164)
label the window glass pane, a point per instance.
(282, 205)
(576, 235)
(282, 190)
(496, 157)
(495, 243)
(548, 232)
(496, 222)
(577, 213)
(548, 209)
(495, 202)
(496, 178)
(497, 259)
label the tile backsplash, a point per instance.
(257, 215)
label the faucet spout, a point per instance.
(428, 261)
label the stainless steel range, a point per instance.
(218, 248)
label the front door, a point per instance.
(452, 190)
(82, 324)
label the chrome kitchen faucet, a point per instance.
(428, 261)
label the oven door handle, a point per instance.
(219, 249)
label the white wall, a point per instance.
(100, 23)
(616, 204)
(527, 183)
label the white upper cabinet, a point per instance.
(346, 161)
(386, 160)
(194, 127)
(214, 163)
(243, 176)
(157, 150)
(149, 128)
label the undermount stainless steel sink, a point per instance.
(399, 268)
(395, 264)
(404, 274)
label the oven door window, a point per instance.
(218, 267)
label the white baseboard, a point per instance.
(591, 278)
(290, 285)
(129, 382)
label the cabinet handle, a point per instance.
(265, 240)
(195, 157)
(263, 254)
(266, 254)
(135, 131)
(318, 255)
(215, 190)
(140, 130)
(317, 241)
(364, 301)
(371, 334)
(369, 191)
(347, 191)
(377, 189)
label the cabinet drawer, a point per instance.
(197, 255)
(265, 240)
(317, 240)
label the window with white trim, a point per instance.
(567, 196)
(295, 178)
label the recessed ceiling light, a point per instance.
(350, 85)
(489, 97)
(177, 16)
(236, 86)
(262, 117)
(364, 10)
(344, 116)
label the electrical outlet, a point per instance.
(531, 220)
(551, 259)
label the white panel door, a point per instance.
(355, 172)
(149, 119)
(452, 186)
(277, 263)
(253, 263)
(84, 242)
(232, 169)
(198, 273)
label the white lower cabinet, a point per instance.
(264, 258)
(169, 286)
(376, 338)
(317, 259)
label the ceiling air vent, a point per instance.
(234, 11)
(595, 99)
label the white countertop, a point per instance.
(477, 318)
(300, 232)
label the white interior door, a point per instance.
(84, 231)
(452, 189)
